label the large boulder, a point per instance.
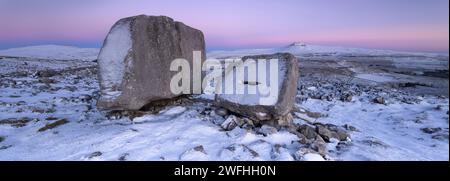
(135, 59)
(280, 103)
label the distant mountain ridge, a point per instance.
(302, 49)
(55, 52)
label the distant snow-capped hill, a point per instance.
(56, 52)
(302, 49)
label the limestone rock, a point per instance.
(230, 123)
(250, 105)
(134, 62)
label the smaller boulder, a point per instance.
(379, 100)
(221, 112)
(308, 131)
(267, 130)
(230, 123)
(262, 106)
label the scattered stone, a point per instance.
(253, 152)
(304, 117)
(262, 116)
(238, 152)
(431, 130)
(134, 62)
(346, 97)
(51, 118)
(319, 145)
(200, 149)
(38, 110)
(44, 87)
(249, 105)
(5, 147)
(197, 153)
(16, 122)
(267, 130)
(440, 137)
(221, 112)
(379, 100)
(373, 142)
(324, 132)
(71, 88)
(123, 157)
(302, 138)
(250, 123)
(314, 115)
(340, 134)
(329, 131)
(438, 107)
(298, 155)
(229, 123)
(46, 80)
(343, 146)
(95, 154)
(53, 125)
(284, 121)
(312, 157)
(86, 98)
(239, 121)
(350, 128)
(308, 131)
(46, 73)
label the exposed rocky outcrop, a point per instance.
(249, 105)
(135, 59)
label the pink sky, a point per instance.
(413, 25)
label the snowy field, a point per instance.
(48, 112)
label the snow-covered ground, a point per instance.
(306, 50)
(54, 117)
(52, 52)
(389, 132)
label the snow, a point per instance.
(375, 77)
(308, 50)
(53, 52)
(312, 157)
(389, 132)
(174, 133)
(112, 59)
(265, 94)
(161, 139)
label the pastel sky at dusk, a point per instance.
(411, 25)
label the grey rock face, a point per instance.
(288, 79)
(267, 130)
(135, 59)
(308, 131)
(379, 100)
(431, 130)
(221, 112)
(230, 123)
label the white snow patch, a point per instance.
(112, 59)
(308, 50)
(265, 93)
(312, 157)
(389, 132)
(53, 52)
(376, 77)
